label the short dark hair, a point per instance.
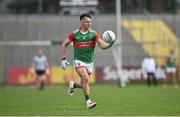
(84, 15)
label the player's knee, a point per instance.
(85, 79)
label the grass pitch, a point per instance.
(133, 100)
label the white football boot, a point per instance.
(90, 104)
(71, 88)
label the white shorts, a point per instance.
(170, 69)
(81, 64)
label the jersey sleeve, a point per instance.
(70, 36)
(97, 36)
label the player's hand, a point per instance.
(64, 63)
(111, 43)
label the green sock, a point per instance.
(87, 97)
(77, 85)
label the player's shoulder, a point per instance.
(75, 31)
(35, 58)
(44, 57)
(92, 31)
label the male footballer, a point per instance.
(84, 41)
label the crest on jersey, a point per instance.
(84, 37)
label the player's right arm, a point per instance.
(64, 62)
(33, 66)
(65, 43)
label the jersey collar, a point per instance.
(84, 32)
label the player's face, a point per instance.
(40, 53)
(86, 23)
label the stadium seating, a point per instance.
(156, 38)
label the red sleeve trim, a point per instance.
(97, 36)
(70, 36)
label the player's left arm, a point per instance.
(46, 64)
(101, 43)
(47, 69)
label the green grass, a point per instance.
(138, 100)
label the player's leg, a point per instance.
(154, 79)
(85, 86)
(40, 74)
(165, 81)
(84, 81)
(89, 69)
(72, 86)
(148, 79)
(38, 79)
(174, 79)
(42, 80)
(38, 82)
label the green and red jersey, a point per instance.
(171, 61)
(84, 45)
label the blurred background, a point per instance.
(148, 27)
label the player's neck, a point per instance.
(83, 30)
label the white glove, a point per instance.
(64, 63)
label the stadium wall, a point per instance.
(106, 74)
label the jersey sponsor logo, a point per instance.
(85, 44)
